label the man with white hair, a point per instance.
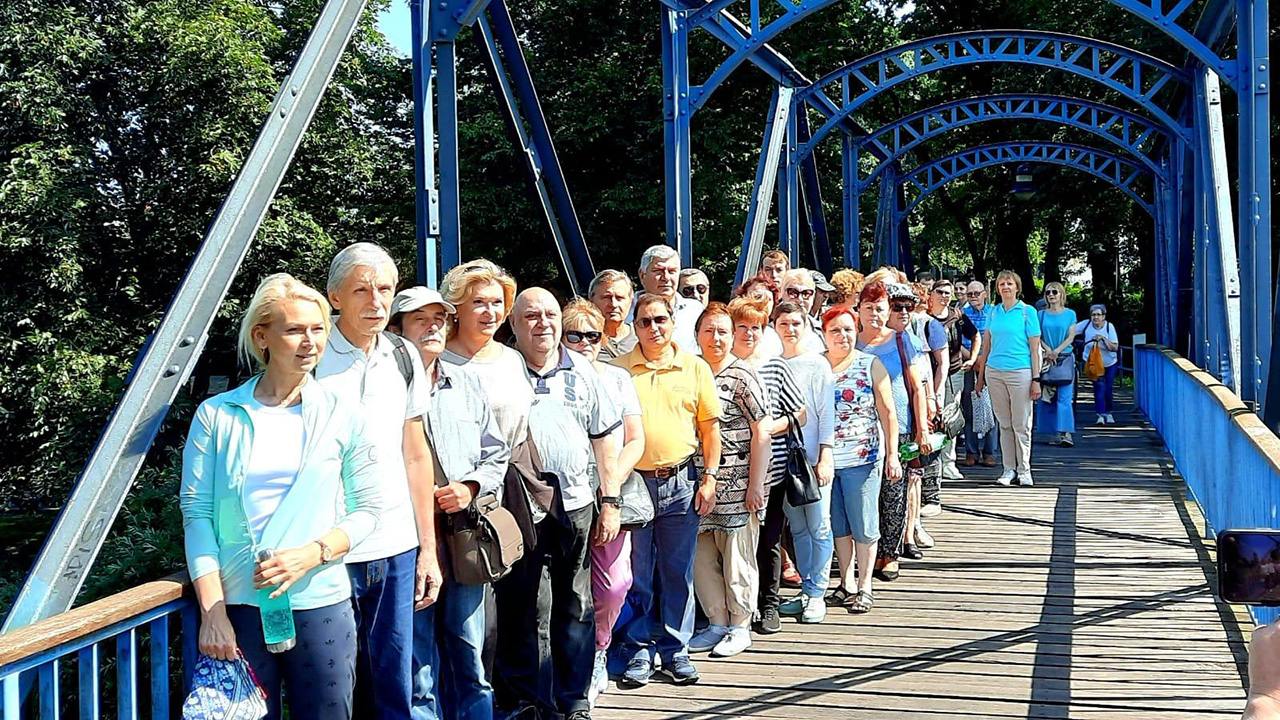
(572, 420)
(396, 568)
(660, 275)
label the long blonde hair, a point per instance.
(273, 290)
(1062, 293)
(460, 283)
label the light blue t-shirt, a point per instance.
(1054, 327)
(1011, 332)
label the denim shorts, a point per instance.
(855, 502)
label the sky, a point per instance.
(395, 25)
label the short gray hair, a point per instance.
(690, 271)
(657, 252)
(361, 254)
(605, 278)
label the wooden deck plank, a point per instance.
(1089, 596)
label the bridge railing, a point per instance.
(1228, 457)
(122, 646)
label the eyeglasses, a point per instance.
(973, 293)
(694, 290)
(577, 336)
(799, 294)
(1050, 292)
(902, 307)
(1097, 314)
(645, 323)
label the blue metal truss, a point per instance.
(1136, 76)
(1131, 132)
(1125, 174)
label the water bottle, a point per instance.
(277, 614)
(910, 450)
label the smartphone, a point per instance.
(1249, 567)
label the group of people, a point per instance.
(379, 421)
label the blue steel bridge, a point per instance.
(1089, 595)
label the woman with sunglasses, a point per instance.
(726, 578)
(1056, 415)
(750, 318)
(1102, 334)
(1010, 349)
(583, 327)
(897, 351)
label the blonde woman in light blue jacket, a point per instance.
(275, 463)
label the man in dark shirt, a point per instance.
(959, 328)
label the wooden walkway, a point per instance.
(1086, 596)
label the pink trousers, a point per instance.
(610, 581)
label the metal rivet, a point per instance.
(171, 370)
(442, 6)
(187, 341)
(283, 112)
(294, 90)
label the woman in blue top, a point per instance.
(1010, 349)
(1055, 412)
(275, 464)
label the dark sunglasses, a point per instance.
(1050, 292)
(973, 293)
(902, 307)
(577, 336)
(799, 294)
(648, 322)
(694, 290)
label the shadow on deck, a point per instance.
(1086, 596)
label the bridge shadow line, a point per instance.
(931, 658)
(1113, 534)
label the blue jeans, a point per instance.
(317, 673)
(382, 596)
(972, 443)
(448, 674)
(1104, 389)
(662, 557)
(811, 534)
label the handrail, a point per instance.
(21, 644)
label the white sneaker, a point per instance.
(951, 472)
(1102, 420)
(815, 611)
(708, 639)
(930, 510)
(1110, 420)
(1006, 478)
(739, 639)
(923, 539)
(599, 677)
(1025, 479)
(1068, 441)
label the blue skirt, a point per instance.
(1058, 416)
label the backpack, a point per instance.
(400, 350)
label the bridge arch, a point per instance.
(1129, 131)
(1119, 171)
(1132, 74)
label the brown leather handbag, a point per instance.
(483, 542)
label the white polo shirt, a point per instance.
(374, 386)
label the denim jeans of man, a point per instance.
(811, 533)
(448, 673)
(520, 676)
(972, 443)
(382, 596)
(662, 557)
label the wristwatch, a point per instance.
(713, 473)
(614, 500)
(326, 553)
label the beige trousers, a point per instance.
(1011, 402)
(725, 575)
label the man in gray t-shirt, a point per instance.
(572, 418)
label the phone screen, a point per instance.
(1249, 566)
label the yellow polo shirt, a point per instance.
(674, 396)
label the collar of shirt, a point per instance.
(999, 307)
(339, 343)
(444, 376)
(539, 381)
(636, 358)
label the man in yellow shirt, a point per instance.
(681, 413)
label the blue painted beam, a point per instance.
(676, 115)
(426, 201)
(449, 17)
(811, 192)
(1120, 172)
(1133, 75)
(771, 152)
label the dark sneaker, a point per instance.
(680, 671)
(578, 715)
(770, 622)
(639, 670)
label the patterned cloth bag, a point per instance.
(984, 418)
(224, 690)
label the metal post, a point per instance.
(789, 194)
(1224, 287)
(676, 114)
(426, 199)
(852, 192)
(811, 191)
(1253, 93)
(450, 177)
(169, 356)
(902, 236)
(536, 144)
(775, 136)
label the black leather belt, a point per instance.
(670, 471)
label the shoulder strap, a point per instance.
(401, 353)
(908, 371)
